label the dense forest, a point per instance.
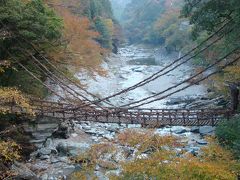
(56, 33)
(74, 35)
(178, 26)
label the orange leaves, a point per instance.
(85, 52)
(80, 48)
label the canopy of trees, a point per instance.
(208, 16)
(23, 23)
(156, 22)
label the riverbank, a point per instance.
(58, 144)
(137, 62)
(132, 64)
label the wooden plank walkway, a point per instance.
(145, 117)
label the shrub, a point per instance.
(90, 159)
(214, 163)
(146, 140)
(9, 151)
(228, 135)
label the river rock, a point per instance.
(72, 148)
(193, 150)
(44, 151)
(44, 157)
(202, 142)
(62, 131)
(194, 129)
(179, 130)
(206, 130)
(97, 131)
(54, 160)
(174, 101)
(58, 171)
(113, 128)
(41, 135)
(23, 172)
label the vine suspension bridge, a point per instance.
(82, 108)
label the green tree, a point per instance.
(105, 37)
(25, 21)
(211, 14)
(207, 17)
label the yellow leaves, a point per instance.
(4, 64)
(110, 26)
(215, 152)
(89, 160)
(196, 169)
(215, 162)
(9, 151)
(232, 73)
(10, 98)
(146, 140)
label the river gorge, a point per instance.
(59, 143)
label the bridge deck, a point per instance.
(145, 117)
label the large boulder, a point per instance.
(206, 130)
(72, 148)
(194, 129)
(23, 172)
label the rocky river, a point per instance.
(57, 142)
(135, 63)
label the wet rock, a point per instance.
(194, 129)
(206, 130)
(142, 156)
(174, 101)
(63, 159)
(44, 151)
(202, 142)
(54, 160)
(38, 167)
(41, 135)
(23, 172)
(44, 157)
(62, 131)
(38, 141)
(119, 156)
(131, 98)
(72, 148)
(60, 171)
(97, 131)
(113, 128)
(100, 175)
(86, 127)
(44, 177)
(62, 149)
(48, 143)
(193, 150)
(179, 130)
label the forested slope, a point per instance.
(70, 33)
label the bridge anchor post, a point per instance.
(234, 92)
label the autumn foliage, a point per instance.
(165, 162)
(13, 97)
(165, 158)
